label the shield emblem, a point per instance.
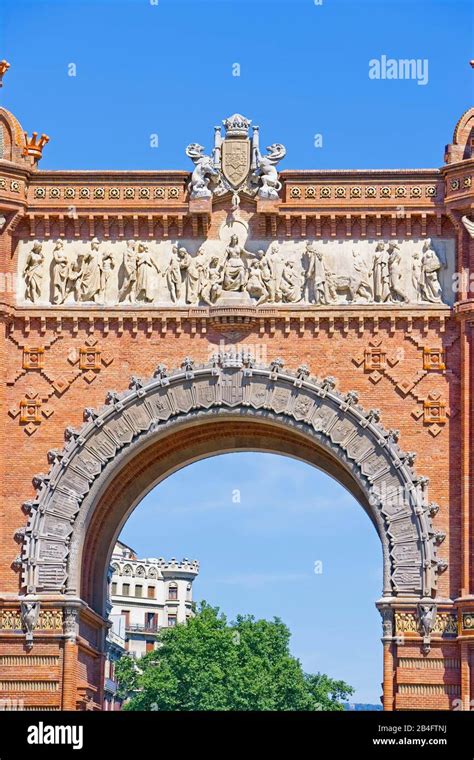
(235, 160)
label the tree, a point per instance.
(209, 664)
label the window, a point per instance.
(150, 645)
(151, 592)
(172, 591)
(114, 588)
(151, 621)
(126, 589)
(139, 591)
(171, 621)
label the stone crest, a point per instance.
(236, 164)
(235, 160)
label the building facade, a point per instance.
(115, 648)
(151, 319)
(149, 594)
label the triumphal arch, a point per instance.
(152, 318)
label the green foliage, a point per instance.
(126, 674)
(209, 664)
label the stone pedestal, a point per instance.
(234, 298)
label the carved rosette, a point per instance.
(396, 496)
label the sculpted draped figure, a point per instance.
(90, 279)
(430, 266)
(129, 286)
(235, 266)
(316, 276)
(61, 272)
(145, 267)
(381, 274)
(191, 267)
(323, 274)
(33, 273)
(173, 275)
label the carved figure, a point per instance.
(90, 275)
(145, 266)
(381, 275)
(266, 173)
(212, 287)
(128, 290)
(203, 171)
(174, 279)
(417, 275)
(395, 269)
(235, 269)
(61, 271)
(256, 287)
(29, 618)
(427, 620)
(107, 264)
(292, 283)
(364, 286)
(33, 273)
(317, 275)
(341, 284)
(272, 265)
(191, 269)
(431, 265)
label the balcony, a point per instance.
(110, 686)
(142, 627)
(114, 638)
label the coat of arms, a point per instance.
(236, 164)
(235, 161)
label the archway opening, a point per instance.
(274, 537)
(192, 440)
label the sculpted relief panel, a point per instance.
(236, 270)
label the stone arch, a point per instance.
(296, 414)
(12, 139)
(461, 147)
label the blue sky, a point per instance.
(166, 68)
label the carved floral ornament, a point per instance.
(300, 191)
(231, 383)
(174, 192)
